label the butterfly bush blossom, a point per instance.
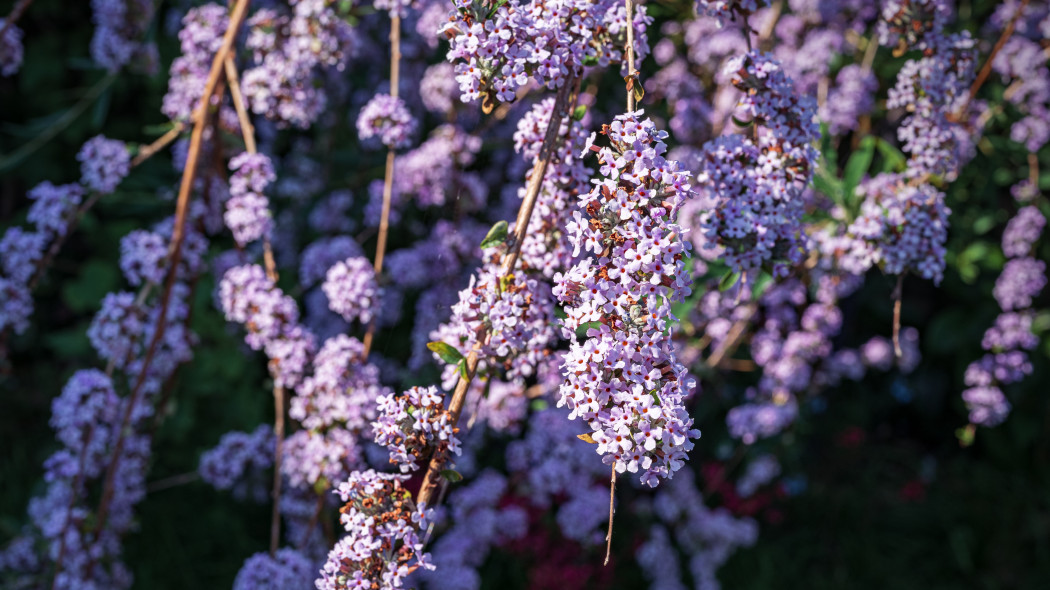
(248, 210)
(623, 378)
(413, 425)
(757, 181)
(386, 118)
(382, 546)
(351, 288)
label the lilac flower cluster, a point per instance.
(931, 90)
(901, 227)
(757, 182)
(200, 39)
(624, 379)
(852, 95)
(415, 425)
(912, 24)
(496, 50)
(239, 462)
(103, 164)
(708, 537)
(383, 545)
(351, 288)
(1022, 279)
(10, 49)
(120, 26)
(288, 51)
(386, 118)
(723, 10)
(248, 210)
(286, 569)
(1023, 63)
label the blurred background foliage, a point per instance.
(880, 492)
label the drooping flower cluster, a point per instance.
(289, 51)
(286, 569)
(415, 425)
(248, 210)
(1007, 341)
(120, 28)
(723, 10)
(200, 38)
(351, 288)
(103, 164)
(901, 227)
(1023, 63)
(386, 118)
(623, 379)
(239, 462)
(496, 50)
(757, 182)
(23, 254)
(10, 49)
(383, 545)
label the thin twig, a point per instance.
(388, 175)
(173, 481)
(547, 150)
(278, 433)
(247, 131)
(612, 510)
(15, 14)
(158, 144)
(174, 248)
(897, 296)
(629, 49)
(729, 343)
(986, 69)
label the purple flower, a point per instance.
(248, 210)
(351, 288)
(1021, 280)
(387, 119)
(414, 425)
(1023, 231)
(10, 49)
(103, 164)
(988, 406)
(20, 252)
(286, 569)
(142, 256)
(53, 206)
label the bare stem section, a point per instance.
(510, 260)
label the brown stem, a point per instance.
(612, 500)
(629, 6)
(158, 144)
(173, 481)
(561, 106)
(986, 69)
(730, 341)
(174, 249)
(247, 131)
(897, 295)
(388, 176)
(278, 433)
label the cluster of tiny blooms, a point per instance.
(289, 50)
(238, 458)
(901, 227)
(120, 28)
(351, 288)
(383, 543)
(10, 49)
(286, 569)
(723, 10)
(757, 182)
(200, 38)
(1007, 341)
(104, 164)
(623, 379)
(912, 24)
(386, 118)
(248, 210)
(414, 425)
(497, 50)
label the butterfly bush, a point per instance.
(386, 118)
(497, 50)
(414, 424)
(10, 48)
(247, 210)
(623, 378)
(757, 181)
(351, 288)
(382, 545)
(120, 28)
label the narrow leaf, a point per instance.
(451, 475)
(857, 166)
(578, 114)
(728, 280)
(445, 351)
(496, 236)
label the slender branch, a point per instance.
(730, 341)
(174, 249)
(388, 176)
(561, 105)
(147, 152)
(612, 510)
(247, 131)
(278, 433)
(986, 69)
(173, 481)
(16, 13)
(629, 4)
(897, 295)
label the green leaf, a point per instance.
(462, 366)
(496, 236)
(728, 280)
(578, 114)
(590, 60)
(741, 124)
(893, 158)
(447, 352)
(857, 166)
(451, 475)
